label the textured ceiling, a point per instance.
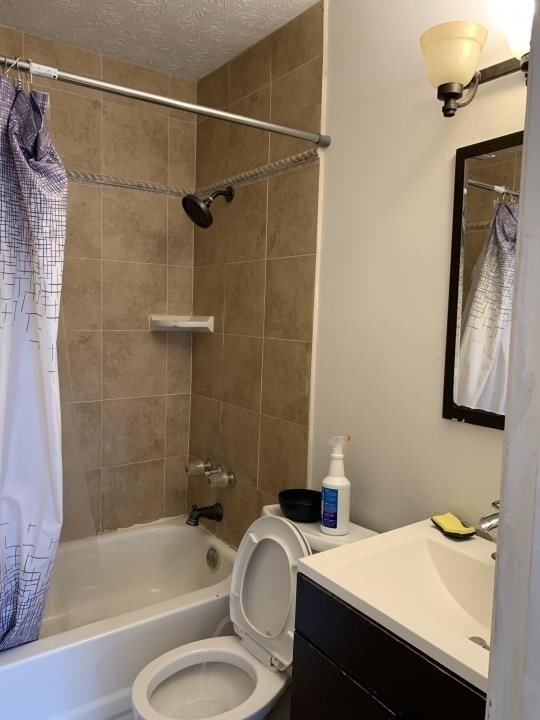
(187, 38)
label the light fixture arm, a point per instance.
(470, 90)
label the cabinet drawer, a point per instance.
(400, 676)
(320, 690)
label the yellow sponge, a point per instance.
(452, 526)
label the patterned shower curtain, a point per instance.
(33, 194)
(485, 344)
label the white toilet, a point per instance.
(243, 676)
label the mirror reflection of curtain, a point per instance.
(485, 343)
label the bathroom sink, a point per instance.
(434, 592)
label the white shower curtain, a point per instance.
(485, 344)
(33, 192)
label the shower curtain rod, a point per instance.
(50, 72)
(501, 189)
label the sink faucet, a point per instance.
(211, 512)
(489, 522)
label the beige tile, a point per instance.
(209, 293)
(213, 89)
(250, 70)
(83, 367)
(177, 432)
(178, 362)
(133, 430)
(207, 360)
(212, 151)
(134, 225)
(263, 499)
(81, 435)
(244, 298)
(239, 445)
(179, 290)
(239, 511)
(81, 294)
(290, 284)
(137, 77)
(242, 358)
(298, 41)
(82, 505)
(179, 234)
(286, 376)
(175, 486)
(242, 224)
(133, 364)
(305, 86)
(134, 144)
(83, 221)
(181, 154)
(283, 455)
(293, 212)
(65, 57)
(204, 428)
(248, 147)
(131, 494)
(186, 90)
(131, 292)
(210, 243)
(11, 42)
(76, 130)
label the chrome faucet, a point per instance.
(489, 522)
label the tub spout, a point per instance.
(211, 512)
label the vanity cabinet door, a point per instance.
(400, 676)
(321, 691)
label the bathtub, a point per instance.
(116, 602)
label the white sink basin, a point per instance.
(434, 592)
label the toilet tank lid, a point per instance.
(317, 540)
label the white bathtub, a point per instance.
(154, 591)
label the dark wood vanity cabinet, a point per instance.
(347, 667)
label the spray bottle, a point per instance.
(336, 491)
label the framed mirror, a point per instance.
(485, 219)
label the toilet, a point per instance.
(240, 677)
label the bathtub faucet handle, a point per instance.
(198, 467)
(219, 478)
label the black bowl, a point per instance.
(301, 505)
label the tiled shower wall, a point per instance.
(128, 253)
(255, 272)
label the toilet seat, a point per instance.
(263, 589)
(268, 685)
(262, 608)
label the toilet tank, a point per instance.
(317, 540)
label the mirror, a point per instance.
(486, 210)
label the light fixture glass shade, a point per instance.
(452, 50)
(514, 19)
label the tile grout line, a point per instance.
(101, 302)
(261, 383)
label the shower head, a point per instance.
(198, 209)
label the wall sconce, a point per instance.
(452, 50)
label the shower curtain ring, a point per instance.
(19, 78)
(7, 69)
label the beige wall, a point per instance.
(385, 255)
(255, 271)
(128, 253)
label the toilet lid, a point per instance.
(263, 589)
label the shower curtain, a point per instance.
(33, 194)
(485, 343)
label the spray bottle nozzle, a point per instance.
(337, 443)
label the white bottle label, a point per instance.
(329, 507)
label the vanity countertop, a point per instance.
(433, 592)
